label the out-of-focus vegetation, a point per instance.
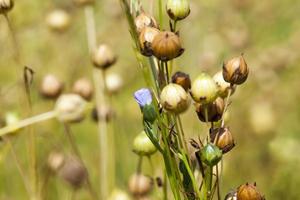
(264, 120)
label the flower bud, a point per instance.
(235, 71)
(119, 195)
(249, 192)
(167, 46)
(223, 86)
(114, 83)
(174, 98)
(225, 140)
(84, 88)
(73, 172)
(51, 87)
(144, 20)
(214, 110)
(210, 155)
(142, 145)
(83, 2)
(70, 108)
(103, 57)
(106, 113)
(55, 161)
(6, 6)
(178, 9)
(140, 185)
(182, 79)
(146, 38)
(58, 20)
(204, 90)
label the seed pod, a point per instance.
(146, 38)
(70, 108)
(83, 2)
(204, 89)
(178, 9)
(174, 98)
(231, 196)
(119, 195)
(73, 172)
(84, 88)
(223, 86)
(55, 161)
(214, 110)
(58, 20)
(182, 79)
(210, 155)
(144, 20)
(167, 46)
(103, 57)
(6, 6)
(225, 139)
(106, 113)
(114, 83)
(51, 87)
(235, 71)
(140, 185)
(142, 145)
(249, 192)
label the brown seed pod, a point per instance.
(146, 37)
(106, 113)
(73, 172)
(167, 46)
(103, 57)
(249, 192)
(84, 88)
(6, 6)
(140, 185)
(235, 71)
(83, 2)
(58, 20)
(182, 79)
(51, 87)
(214, 110)
(144, 20)
(225, 139)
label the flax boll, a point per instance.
(51, 87)
(58, 20)
(235, 71)
(103, 57)
(119, 195)
(84, 88)
(182, 79)
(144, 20)
(6, 6)
(223, 86)
(178, 9)
(143, 146)
(146, 38)
(249, 192)
(140, 185)
(213, 110)
(225, 139)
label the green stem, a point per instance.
(160, 13)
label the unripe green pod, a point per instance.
(210, 155)
(178, 9)
(142, 145)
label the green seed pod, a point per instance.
(182, 79)
(142, 145)
(146, 38)
(210, 155)
(103, 57)
(204, 89)
(249, 192)
(174, 98)
(214, 110)
(223, 86)
(149, 113)
(236, 71)
(178, 9)
(6, 6)
(140, 185)
(119, 195)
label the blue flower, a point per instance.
(143, 97)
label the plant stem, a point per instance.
(226, 106)
(14, 38)
(160, 13)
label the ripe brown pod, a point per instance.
(84, 88)
(235, 71)
(144, 20)
(225, 139)
(51, 87)
(167, 46)
(249, 192)
(140, 185)
(6, 6)
(182, 79)
(103, 57)
(214, 110)
(146, 38)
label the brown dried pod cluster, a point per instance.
(249, 192)
(144, 20)
(103, 57)
(235, 71)
(6, 6)
(84, 88)
(51, 87)
(182, 79)
(167, 46)
(140, 185)
(83, 2)
(223, 138)
(214, 110)
(146, 38)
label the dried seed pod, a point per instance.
(210, 154)
(83, 2)
(114, 83)
(174, 98)
(119, 195)
(55, 161)
(249, 192)
(103, 57)
(144, 20)
(58, 20)
(6, 6)
(146, 38)
(70, 108)
(73, 172)
(182, 79)
(51, 87)
(225, 139)
(106, 113)
(236, 71)
(231, 196)
(140, 185)
(214, 110)
(167, 46)
(178, 9)
(204, 89)
(84, 88)
(142, 145)
(223, 86)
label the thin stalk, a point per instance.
(139, 165)
(14, 38)
(208, 180)
(182, 133)
(226, 106)
(151, 165)
(165, 188)
(218, 183)
(90, 27)
(160, 13)
(151, 7)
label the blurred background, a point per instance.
(264, 114)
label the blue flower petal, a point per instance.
(143, 97)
